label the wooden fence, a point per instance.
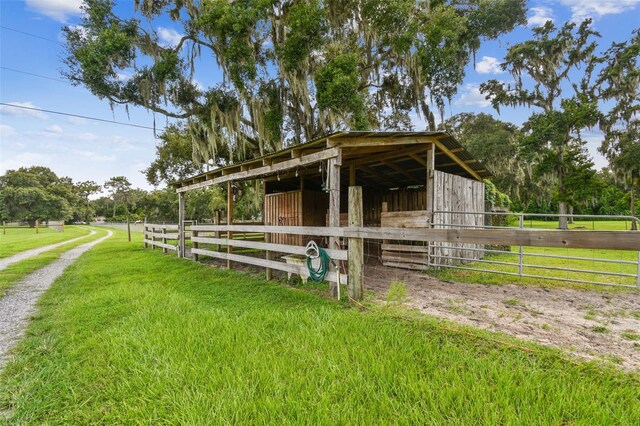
(253, 246)
(165, 237)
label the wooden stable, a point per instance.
(405, 178)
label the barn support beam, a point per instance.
(181, 232)
(333, 173)
(431, 161)
(356, 246)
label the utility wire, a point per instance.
(30, 34)
(35, 75)
(78, 116)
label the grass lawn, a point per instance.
(128, 336)
(15, 272)
(21, 239)
(597, 225)
(591, 263)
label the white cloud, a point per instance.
(6, 131)
(25, 159)
(471, 96)
(489, 65)
(93, 156)
(169, 36)
(123, 76)
(58, 10)
(53, 129)
(8, 110)
(539, 16)
(76, 120)
(85, 137)
(198, 85)
(582, 9)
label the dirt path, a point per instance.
(34, 252)
(19, 302)
(587, 324)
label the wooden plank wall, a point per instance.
(295, 208)
(284, 209)
(400, 200)
(455, 193)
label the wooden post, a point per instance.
(229, 218)
(194, 244)
(37, 226)
(356, 245)
(333, 173)
(153, 238)
(383, 209)
(352, 174)
(268, 255)
(430, 190)
(217, 233)
(181, 200)
(430, 193)
(164, 240)
(145, 236)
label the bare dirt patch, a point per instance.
(588, 324)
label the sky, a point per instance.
(31, 43)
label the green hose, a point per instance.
(318, 274)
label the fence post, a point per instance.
(181, 250)
(521, 251)
(216, 234)
(267, 239)
(356, 245)
(229, 220)
(164, 240)
(145, 236)
(37, 225)
(194, 245)
(638, 272)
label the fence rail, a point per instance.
(252, 245)
(586, 239)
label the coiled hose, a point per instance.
(313, 251)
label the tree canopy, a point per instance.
(37, 193)
(554, 59)
(292, 70)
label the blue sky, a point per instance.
(90, 150)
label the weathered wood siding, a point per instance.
(456, 194)
(397, 201)
(295, 208)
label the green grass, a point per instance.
(129, 336)
(15, 272)
(592, 256)
(597, 225)
(20, 239)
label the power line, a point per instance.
(35, 75)
(30, 34)
(78, 116)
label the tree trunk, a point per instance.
(562, 221)
(570, 214)
(634, 224)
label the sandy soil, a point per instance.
(19, 303)
(34, 252)
(587, 324)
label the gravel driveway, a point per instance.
(34, 252)
(19, 303)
